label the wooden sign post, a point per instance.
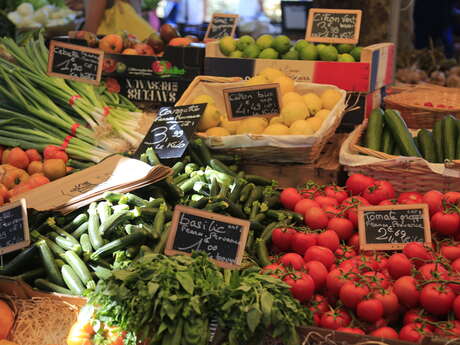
(392, 227)
(223, 238)
(74, 62)
(333, 26)
(14, 227)
(249, 101)
(221, 25)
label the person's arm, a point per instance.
(261, 4)
(94, 12)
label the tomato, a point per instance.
(322, 254)
(318, 272)
(456, 265)
(413, 332)
(388, 202)
(332, 211)
(385, 332)
(335, 280)
(379, 191)
(342, 226)
(367, 263)
(302, 241)
(310, 192)
(370, 310)
(352, 293)
(324, 201)
(389, 301)
(406, 290)
(289, 197)
(319, 304)
(302, 285)
(303, 205)
(355, 201)
(275, 270)
(418, 315)
(329, 239)
(338, 193)
(445, 223)
(456, 307)
(448, 329)
(450, 252)
(335, 319)
(408, 198)
(293, 260)
(316, 218)
(434, 200)
(451, 197)
(282, 238)
(432, 272)
(353, 242)
(437, 298)
(115, 336)
(351, 330)
(81, 333)
(357, 183)
(376, 280)
(417, 251)
(344, 252)
(455, 277)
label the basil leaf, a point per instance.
(186, 281)
(253, 318)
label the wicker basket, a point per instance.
(412, 104)
(305, 154)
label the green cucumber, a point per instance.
(425, 139)
(449, 136)
(401, 133)
(374, 130)
(387, 142)
(437, 137)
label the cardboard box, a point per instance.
(373, 72)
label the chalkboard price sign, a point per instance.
(223, 238)
(74, 62)
(14, 228)
(256, 100)
(171, 130)
(391, 227)
(333, 26)
(221, 25)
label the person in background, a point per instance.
(250, 10)
(191, 14)
(170, 12)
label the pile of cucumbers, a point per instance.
(388, 132)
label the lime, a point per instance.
(356, 53)
(345, 48)
(217, 132)
(276, 129)
(244, 41)
(268, 53)
(251, 51)
(320, 46)
(345, 58)
(300, 44)
(282, 44)
(291, 55)
(264, 41)
(236, 54)
(328, 53)
(271, 73)
(227, 45)
(294, 111)
(309, 52)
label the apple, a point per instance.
(144, 49)
(112, 44)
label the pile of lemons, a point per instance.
(301, 114)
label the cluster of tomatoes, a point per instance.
(407, 296)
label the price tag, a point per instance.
(74, 62)
(14, 227)
(223, 238)
(257, 100)
(221, 25)
(171, 130)
(333, 26)
(392, 227)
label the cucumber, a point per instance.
(387, 142)
(46, 285)
(437, 138)
(374, 130)
(72, 281)
(78, 266)
(19, 261)
(425, 139)
(118, 244)
(401, 133)
(449, 137)
(49, 264)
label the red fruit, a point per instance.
(282, 238)
(357, 183)
(389, 301)
(318, 272)
(379, 191)
(385, 332)
(302, 285)
(452, 197)
(387, 202)
(436, 298)
(456, 307)
(413, 332)
(302, 241)
(33, 155)
(370, 310)
(355, 201)
(321, 254)
(432, 272)
(18, 158)
(345, 252)
(289, 198)
(324, 201)
(353, 242)
(350, 330)
(406, 290)
(418, 315)
(434, 200)
(303, 205)
(316, 218)
(318, 304)
(336, 192)
(448, 329)
(451, 252)
(408, 198)
(445, 223)
(335, 280)
(275, 270)
(332, 212)
(456, 265)
(310, 193)
(293, 260)
(417, 251)
(329, 239)
(335, 319)
(351, 294)
(342, 226)
(428, 104)
(376, 279)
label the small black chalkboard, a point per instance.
(171, 130)
(74, 62)
(223, 238)
(249, 101)
(333, 26)
(14, 228)
(391, 227)
(221, 25)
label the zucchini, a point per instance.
(78, 266)
(85, 244)
(46, 285)
(457, 151)
(49, 264)
(177, 168)
(221, 167)
(401, 133)
(19, 261)
(114, 220)
(449, 137)
(62, 232)
(82, 229)
(76, 222)
(72, 281)
(103, 210)
(65, 244)
(119, 244)
(237, 188)
(258, 180)
(387, 142)
(437, 137)
(152, 157)
(93, 227)
(32, 274)
(373, 139)
(425, 139)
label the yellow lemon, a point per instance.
(257, 80)
(271, 74)
(290, 97)
(286, 84)
(300, 127)
(315, 123)
(217, 132)
(330, 98)
(276, 119)
(294, 111)
(323, 113)
(203, 99)
(210, 118)
(313, 102)
(252, 125)
(277, 129)
(230, 126)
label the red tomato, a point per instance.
(324, 201)
(379, 191)
(357, 183)
(456, 307)
(303, 205)
(332, 212)
(293, 260)
(353, 242)
(329, 239)
(335, 280)
(448, 329)
(452, 197)
(335, 319)
(445, 223)
(456, 265)
(275, 270)
(302, 285)
(351, 330)
(408, 198)
(352, 293)
(345, 252)
(310, 192)
(338, 193)
(316, 218)
(450, 252)
(302, 241)
(370, 310)
(417, 253)
(319, 304)
(388, 202)
(432, 272)
(389, 301)
(415, 315)
(342, 226)
(355, 201)
(406, 290)
(413, 332)
(437, 298)
(385, 332)
(289, 198)
(434, 200)
(282, 238)
(318, 272)
(322, 254)
(376, 280)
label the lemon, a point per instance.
(217, 132)
(252, 125)
(230, 126)
(210, 118)
(315, 122)
(300, 127)
(290, 97)
(330, 98)
(271, 73)
(286, 84)
(276, 129)
(203, 99)
(276, 119)
(323, 113)
(294, 111)
(257, 80)
(313, 102)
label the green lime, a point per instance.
(291, 55)
(345, 58)
(320, 46)
(236, 54)
(227, 45)
(268, 53)
(264, 41)
(121, 68)
(244, 41)
(345, 48)
(251, 51)
(356, 53)
(309, 52)
(282, 44)
(328, 53)
(300, 44)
